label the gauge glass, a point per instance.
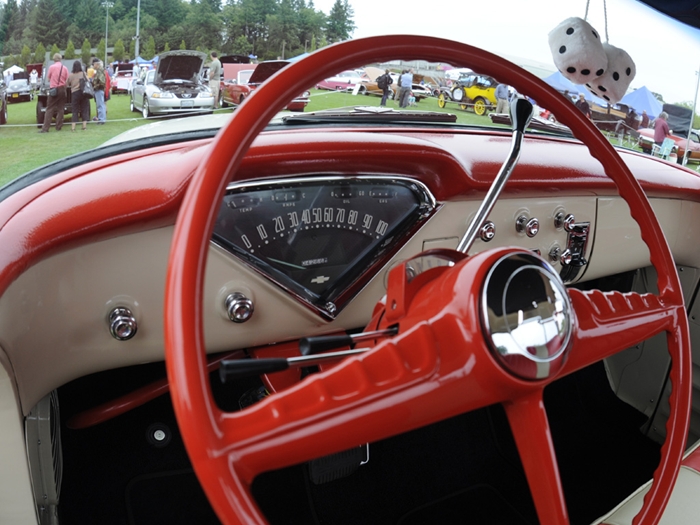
(318, 237)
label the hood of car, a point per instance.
(18, 86)
(179, 65)
(265, 70)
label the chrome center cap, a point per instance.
(526, 315)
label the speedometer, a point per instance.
(321, 238)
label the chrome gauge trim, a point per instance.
(330, 302)
(527, 316)
(419, 186)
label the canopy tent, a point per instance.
(142, 61)
(643, 100)
(561, 83)
(12, 70)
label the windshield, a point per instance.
(661, 78)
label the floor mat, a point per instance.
(168, 497)
(480, 504)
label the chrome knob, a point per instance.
(488, 231)
(566, 257)
(529, 227)
(554, 254)
(122, 324)
(239, 308)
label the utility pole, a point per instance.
(138, 20)
(107, 5)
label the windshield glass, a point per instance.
(528, 34)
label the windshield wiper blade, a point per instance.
(368, 115)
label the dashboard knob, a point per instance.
(239, 308)
(488, 231)
(122, 324)
(529, 227)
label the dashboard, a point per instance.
(77, 260)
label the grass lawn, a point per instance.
(23, 149)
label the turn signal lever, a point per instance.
(520, 116)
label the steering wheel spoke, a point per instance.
(530, 427)
(609, 322)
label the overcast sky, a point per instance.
(667, 54)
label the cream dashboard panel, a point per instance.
(54, 317)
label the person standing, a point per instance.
(384, 83)
(583, 105)
(57, 75)
(661, 128)
(34, 78)
(80, 104)
(502, 98)
(215, 78)
(99, 83)
(405, 81)
(645, 119)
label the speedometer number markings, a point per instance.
(318, 237)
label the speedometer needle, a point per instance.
(287, 264)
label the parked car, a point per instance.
(42, 96)
(646, 141)
(174, 86)
(123, 76)
(358, 316)
(19, 90)
(239, 77)
(471, 91)
(249, 77)
(345, 80)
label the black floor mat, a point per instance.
(478, 505)
(180, 497)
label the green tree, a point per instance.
(118, 52)
(132, 48)
(101, 50)
(182, 45)
(39, 54)
(70, 50)
(54, 50)
(26, 56)
(340, 24)
(166, 48)
(204, 25)
(86, 52)
(150, 50)
(7, 23)
(241, 46)
(49, 23)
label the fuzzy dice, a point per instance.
(577, 50)
(612, 85)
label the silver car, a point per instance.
(175, 86)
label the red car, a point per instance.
(646, 141)
(235, 91)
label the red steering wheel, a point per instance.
(439, 364)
